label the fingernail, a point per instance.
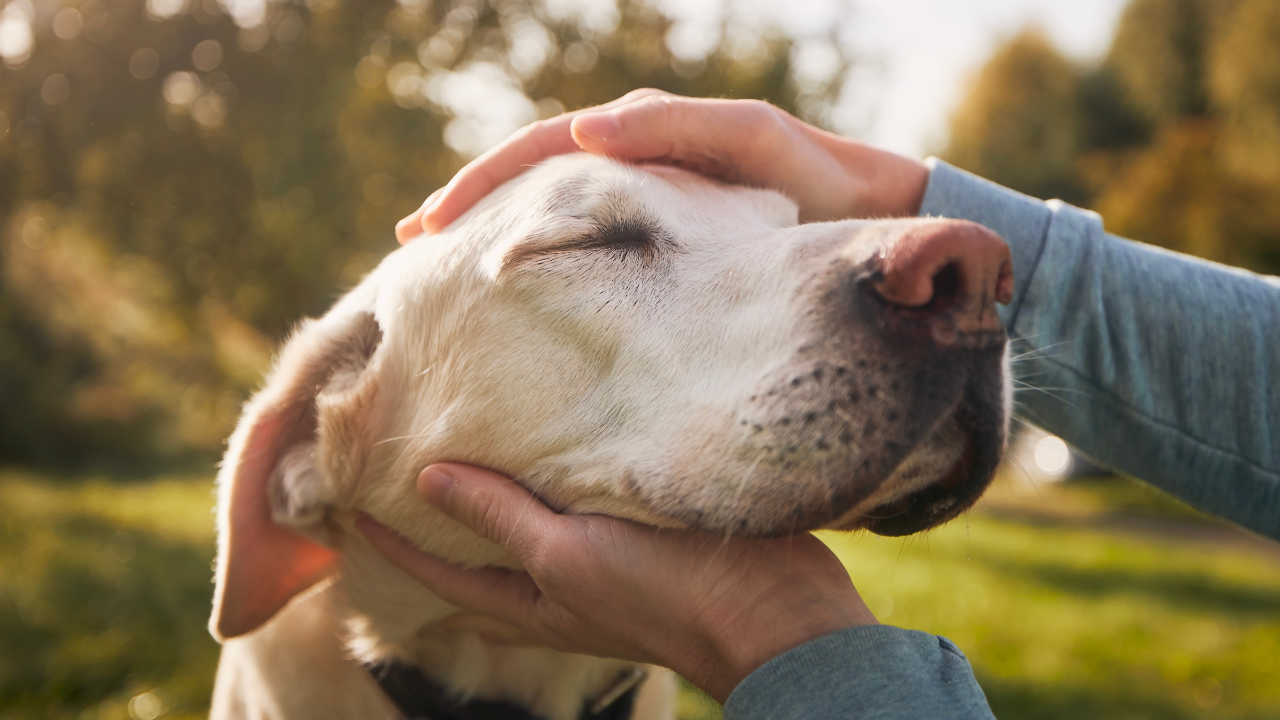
(600, 126)
(429, 225)
(408, 224)
(434, 485)
(432, 200)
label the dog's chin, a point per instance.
(956, 490)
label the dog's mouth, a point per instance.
(935, 504)
(981, 429)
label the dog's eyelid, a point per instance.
(626, 232)
(622, 234)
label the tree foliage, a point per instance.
(1020, 121)
(1174, 138)
(181, 180)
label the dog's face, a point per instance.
(642, 343)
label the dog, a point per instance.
(633, 341)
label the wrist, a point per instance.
(771, 628)
(888, 184)
(880, 183)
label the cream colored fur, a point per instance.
(666, 383)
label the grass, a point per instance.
(104, 593)
(1097, 600)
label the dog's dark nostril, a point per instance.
(947, 275)
(946, 287)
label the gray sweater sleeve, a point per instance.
(874, 672)
(1159, 365)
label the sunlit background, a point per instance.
(180, 180)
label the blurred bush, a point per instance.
(182, 179)
(1174, 137)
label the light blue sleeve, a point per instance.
(1159, 365)
(874, 672)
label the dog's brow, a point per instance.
(567, 193)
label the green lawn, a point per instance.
(1082, 601)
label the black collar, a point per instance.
(420, 698)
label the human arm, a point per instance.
(1156, 364)
(782, 613)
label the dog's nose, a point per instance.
(948, 269)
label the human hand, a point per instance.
(747, 142)
(711, 608)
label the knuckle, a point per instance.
(761, 115)
(645, 92)
(663, 109)
(535, 564)
(532, 128)
(537, 559)
(486, 515)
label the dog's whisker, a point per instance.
(1038, 352)
(1050, 391)
(519, 518)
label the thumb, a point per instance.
(504, 595)
(490, 505)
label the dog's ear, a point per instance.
(273, 489)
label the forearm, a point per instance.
(1156, 364)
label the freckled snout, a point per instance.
(949, 274)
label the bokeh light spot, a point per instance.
(35, 233)
(379, 190)
(580, 57)
(207, 55)
(1053, 457)
(369, 72)
(146, 706)
(165, 9)
(16, 39)
(181, 88)
(67, 23)
(55, 90)
(144, 63)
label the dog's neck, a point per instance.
(472, 657)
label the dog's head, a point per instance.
(643, 343)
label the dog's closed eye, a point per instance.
(637, 237)
(630, 237)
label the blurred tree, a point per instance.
(1019, 123)
(1174, 138)
(1158, 54)
(182, 179)
(1244, 88)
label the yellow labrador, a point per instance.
(637, 342)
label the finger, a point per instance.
(504, 595)
(721, 137)
(411, 227)
(529, 145)
(490, 505)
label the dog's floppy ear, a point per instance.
(273, 491)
